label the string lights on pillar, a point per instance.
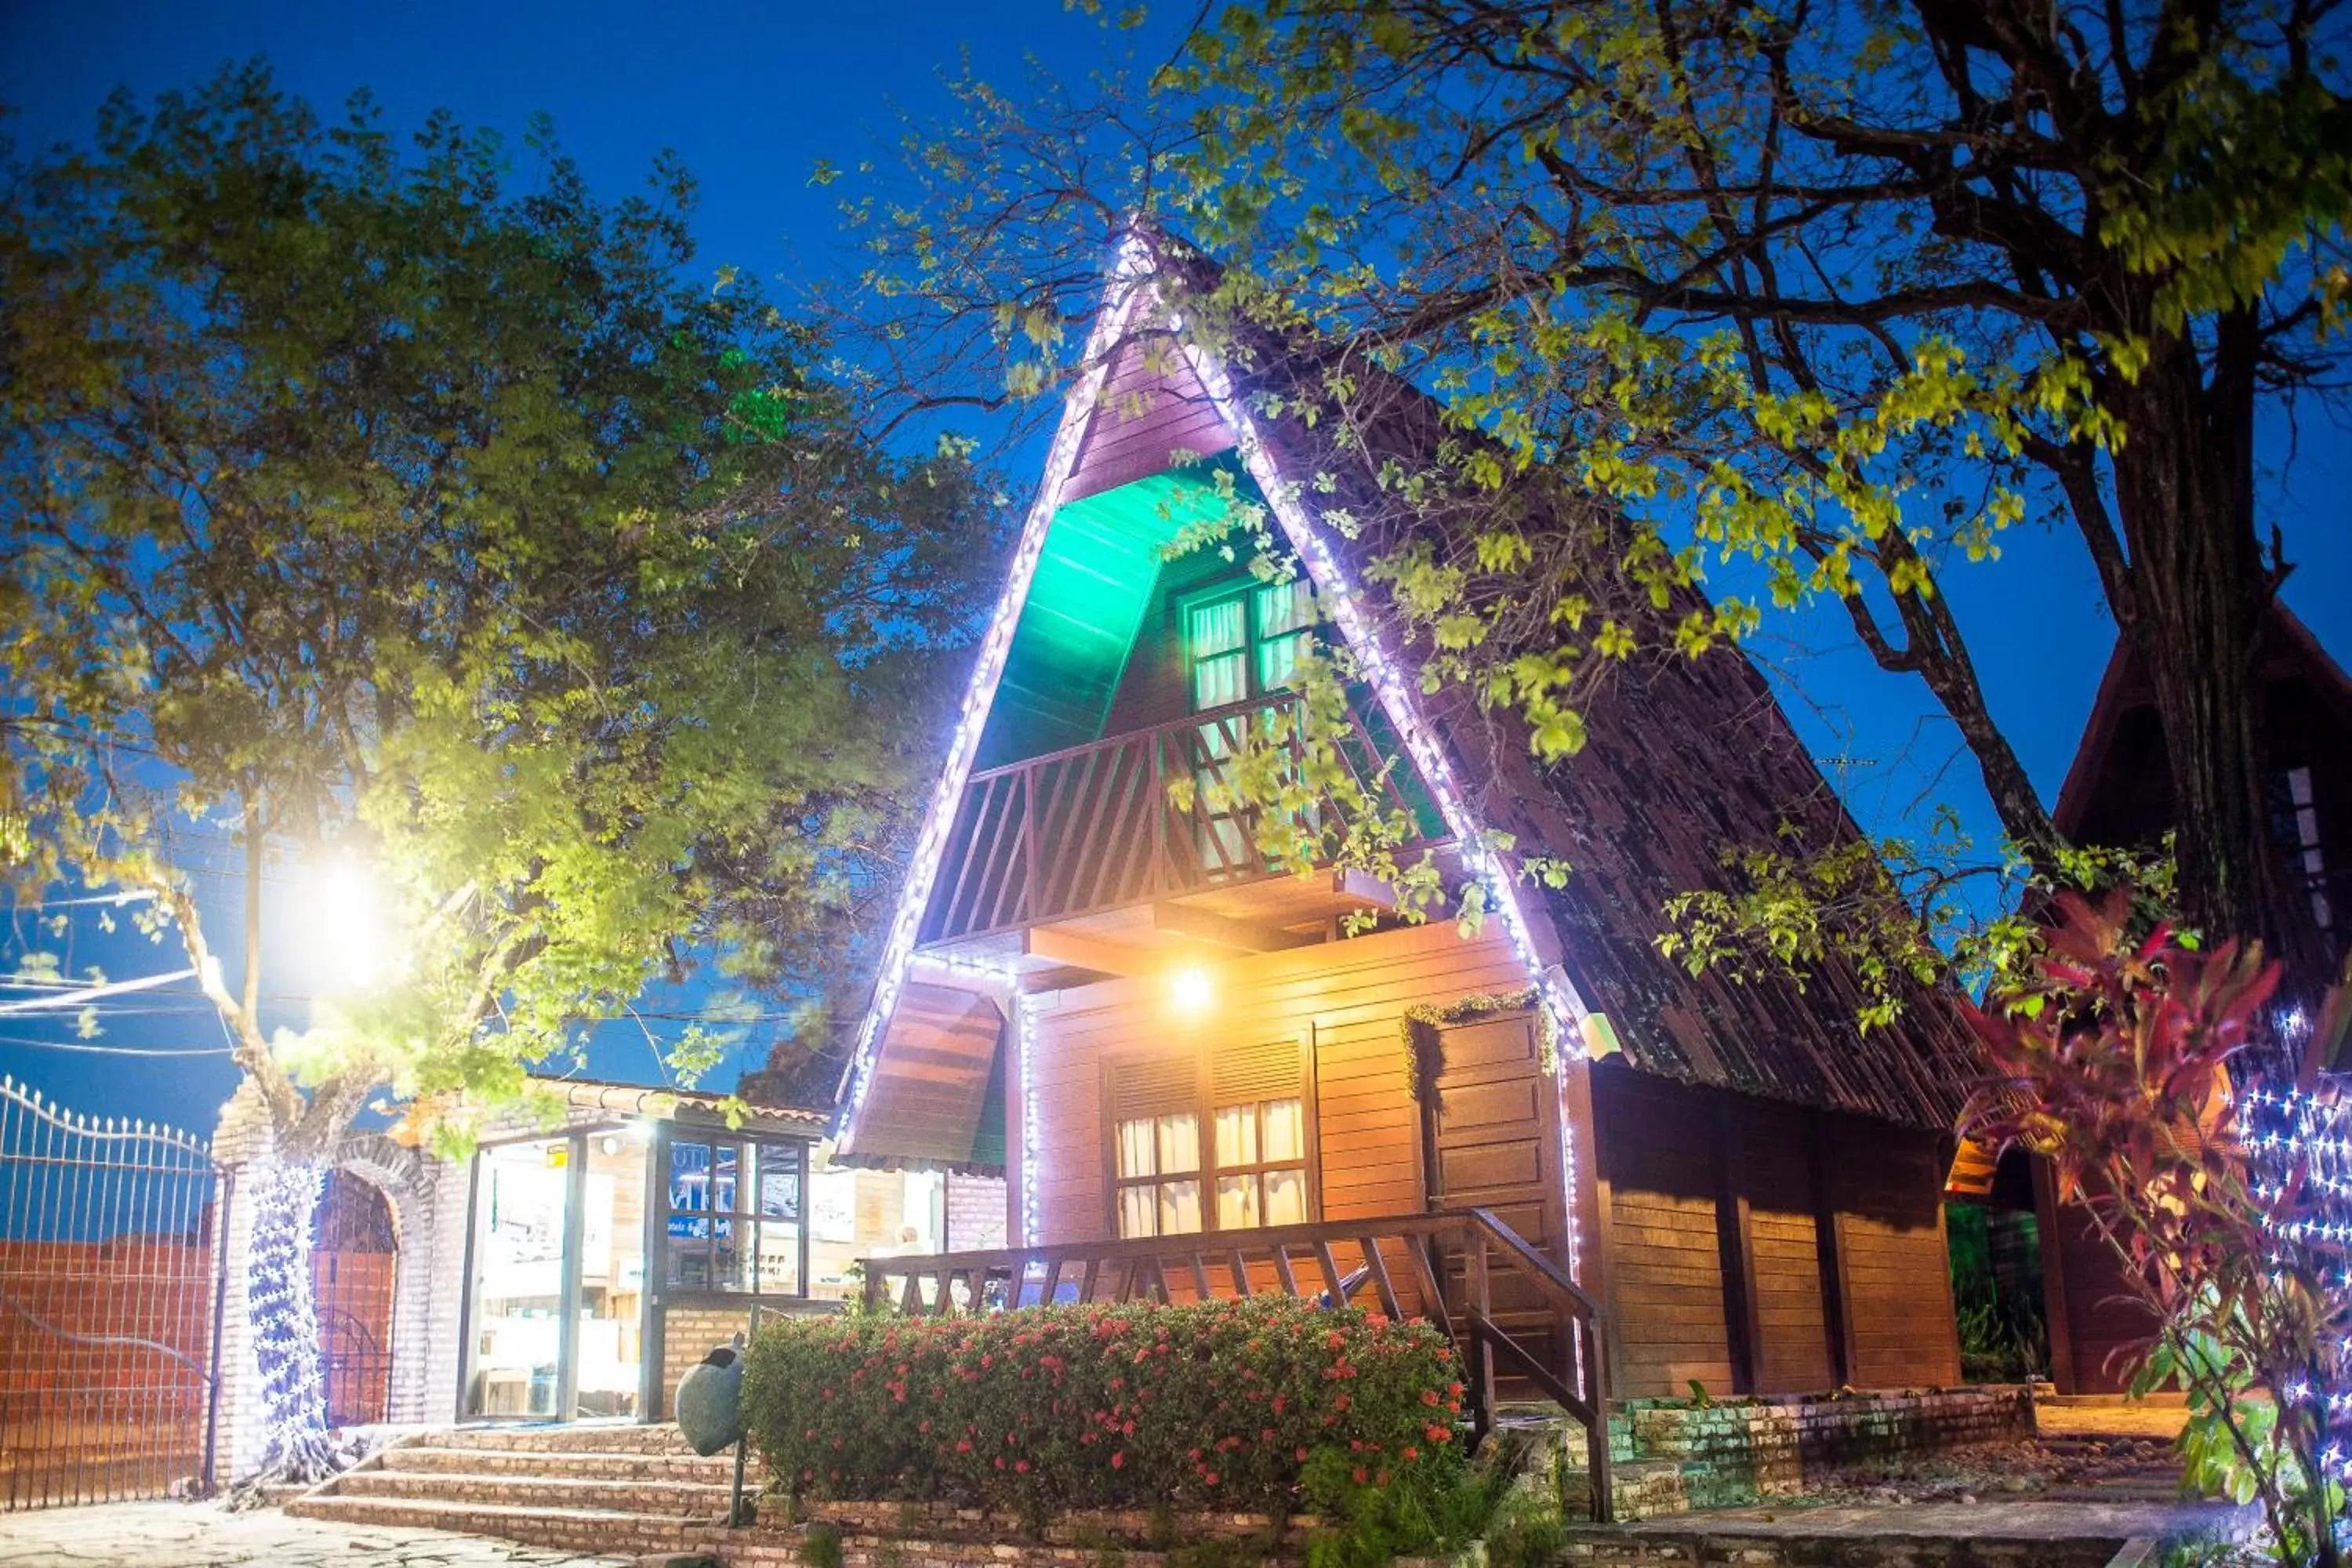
(282, 1317)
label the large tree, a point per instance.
(1834, 290)
(412, 521)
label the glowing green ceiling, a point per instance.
(1093, 586)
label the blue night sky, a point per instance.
(751, 96)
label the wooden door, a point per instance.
(1491, 1140)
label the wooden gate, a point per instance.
(109, 1306)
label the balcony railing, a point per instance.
(1508, 1308)
(1097, 826)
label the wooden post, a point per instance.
(1736, 1250)
(1481, 1313)
(1831, 1257)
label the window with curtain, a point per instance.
(1250, 1169)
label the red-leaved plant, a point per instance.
(2224, 1202)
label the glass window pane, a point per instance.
(1237, 1135)
(1286, 1197)
(689, 1176)
(1276, 657)
(1216, 627)
(1218, 680)
(1236, 1202)
(1135, 1147)
(1138, 1207)
(780, 1181)
(1180, 1207)
(1285, 608)
(779, 1259)
(722, 1183)
(1179, 1142)
(1284, 1136)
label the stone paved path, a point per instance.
(204, 1535)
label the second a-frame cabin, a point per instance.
(1197, 1079)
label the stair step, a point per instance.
(602, 1531)
(619, 1438)
(448, 1454)
(666, 1500)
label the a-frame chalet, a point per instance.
(1195, 1080)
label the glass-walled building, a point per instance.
(607, 1255)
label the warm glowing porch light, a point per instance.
(1191, 988)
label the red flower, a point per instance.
(1410, 1452)
(1360, 1475)
(1020, 1465)
(1429, 1397)
(1119, 1461)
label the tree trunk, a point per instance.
(284, 1316)
(2202, 594)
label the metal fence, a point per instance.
(111, 1296)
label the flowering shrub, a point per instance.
(1221, 1404)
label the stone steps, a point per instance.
(587, 1464)
(625, 1491)
(665, 1499)
(604, 1532)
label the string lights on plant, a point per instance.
(2300, 1144)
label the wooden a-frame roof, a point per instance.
(1683, 758)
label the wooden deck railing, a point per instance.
(1444, 1267)
(1095, 826)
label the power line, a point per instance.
(16, 1040)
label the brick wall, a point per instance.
(975, 1213)
(689, 1333)
(1669, 1456)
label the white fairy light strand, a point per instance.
(1333, 590)
(1061, 459)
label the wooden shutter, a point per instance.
(1274, 1071)
(1158, 1086)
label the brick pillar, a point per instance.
(241, 1142)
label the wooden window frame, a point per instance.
(1252, 639)
(1203, 1106)
(744, 1220)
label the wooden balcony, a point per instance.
(1509, 1309)
(1095, 829)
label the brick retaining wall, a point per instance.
(1671, 1455)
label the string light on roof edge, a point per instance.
(980, 692)
(1332, 587)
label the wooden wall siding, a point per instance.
(1893, 1271)
(2093, 1330)
(1346, 1000)
(1763, 1248)
(1667, 1324)
(1153, 407)
(1775, 1176)
(1154, 687)
(939, 1047)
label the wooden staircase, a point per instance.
(618, 1489)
